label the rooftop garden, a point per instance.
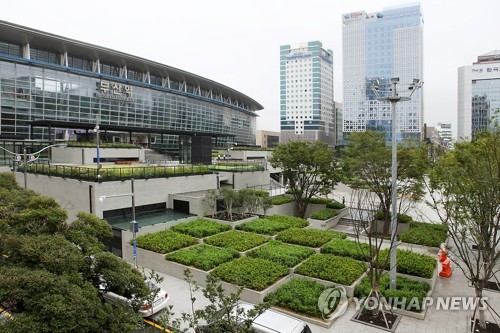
(281, 253)
(308, 237)
(200, 228)
(237, 240)
(271, 225)
(164, 241)
(203, 256)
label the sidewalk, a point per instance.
(436, 321)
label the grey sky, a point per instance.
(237, 43)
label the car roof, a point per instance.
(274, 320)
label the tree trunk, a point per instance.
(302, 207)
(481, 306)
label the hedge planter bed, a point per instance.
(200, 228)
(407, 299)
(340, 270)
(237, 240)
(412, 263)
(428, 234)
(301, 296)
(252, 273)
(281, 253)
(203, 256)
(324, 214)
(308, 237)
(165, 241)
(271, 225)
(348, 248)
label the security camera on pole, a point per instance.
(394, 98)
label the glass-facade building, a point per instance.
(307, 108)
(478, 95)
(377, 47)
(52, 79)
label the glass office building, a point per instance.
(478, 95)
(377, 47)
(306, 86)
(55, 88)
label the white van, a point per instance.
(271, 321)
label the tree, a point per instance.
(465, 188)
(51, 273)
(310, 169)
(367, 163)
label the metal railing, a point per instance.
(113, 174)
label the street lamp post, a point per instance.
(134, 225)
(394, 99)
(25, 159)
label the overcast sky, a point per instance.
(236, 42)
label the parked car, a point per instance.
(159, 303)
(270, 321)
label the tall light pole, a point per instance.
(26, 161)
(394, 99)
(134, 225)
(97, 139)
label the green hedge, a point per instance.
(324, 214)
(299, 295)
(406, 289)
(348, 248)
(164, 241)
(320, 201)
(203, 256)
(335, 205)
(281, 253)
(308, 237)
(251, 273)
(237, 240)
(428, 234)
(402, 218)
(412, 263)
(281, 200)
(328, 267)
(271, 225)
(200, 228)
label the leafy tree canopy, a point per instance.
(309, 167)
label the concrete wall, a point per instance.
(72, 195)
(76, 155)
(241, 180)
(76, 196)
(250, 154)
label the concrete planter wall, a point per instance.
(348, 289)
(330, 223)
(233, 224)
(290, 209)
(378, 227)
(417, 315)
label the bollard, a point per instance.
(445, 268)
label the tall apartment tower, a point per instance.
(377, 47)
(445, 134)
(306, 84)
(478, 95)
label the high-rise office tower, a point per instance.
(377, 47)
(306, 85)
(478, 95)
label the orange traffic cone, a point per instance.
(442, 254)
(445, 268)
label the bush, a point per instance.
(348, 248)
(405, 289)
(251, 273)
(281, 200)
(320, 201)
(299, 295)
(203, 256)
(428, 234)
(261, 193)
(335, 205)
(412, 263)
(273, 224)
(324, 214)
(308, 237)
(164, 241)
(281, 253)
(328, 267)
(200, 228)
(237, 240)
(402, 218)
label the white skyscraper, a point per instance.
(377, 47)
(478, 95)
(306, 85)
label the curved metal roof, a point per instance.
(18, 34)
